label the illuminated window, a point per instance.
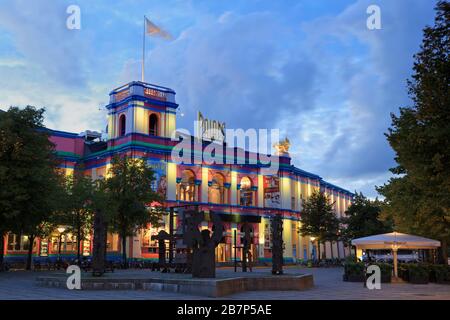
(246, 193)
(122, 125)
(187, 186)
(153, 125)
(18, 243)
(216, 190)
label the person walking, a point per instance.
(249, 261)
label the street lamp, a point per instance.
(312, 239)
(61, 231)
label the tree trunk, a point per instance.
(78, 246)
(2, 250)
(444, 252)
(30, 252)
(124, 251)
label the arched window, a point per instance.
(153, 125)
(246, 193)
(122, 125)
(187, 186)
(216, 190)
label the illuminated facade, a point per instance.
(141, 121)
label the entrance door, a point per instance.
(220, 253)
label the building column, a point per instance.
(287, 238)
(204, 189)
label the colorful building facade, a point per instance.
(141, 124)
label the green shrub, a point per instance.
(354, 268)
(438, 273)
(350, 259)
(418, 273)
(403, 271)
(385, 268)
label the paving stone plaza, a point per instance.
(21, 285)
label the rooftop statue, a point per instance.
(282, 147)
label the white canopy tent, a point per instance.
(395, 241)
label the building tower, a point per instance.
(139, 108)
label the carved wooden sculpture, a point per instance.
(277, 244)
(246, 244)
(203, 245)
(99, 248)
(162, 237)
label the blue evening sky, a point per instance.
(310, 68)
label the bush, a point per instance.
(438, 273)
(418, 274)
(354, 268)
(386, 270)
(403, 271)
(354, 272)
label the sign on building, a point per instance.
(211, 130)
(159, 185)
(272, 197)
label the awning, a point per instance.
(397, 240)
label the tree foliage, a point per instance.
(78, 206)
(129, 187)
(363, 218)
(29, 181)
(418, 199)
(318, 218)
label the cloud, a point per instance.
(237, 64)
(40, 36)
(314, 71)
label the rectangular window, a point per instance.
(17, 243)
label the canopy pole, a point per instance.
(394, 253)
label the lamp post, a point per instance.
(312, 239)
(61, 231)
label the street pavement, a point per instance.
(21, 285)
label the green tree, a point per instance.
(27, 173)
(103, 207)
(6, 224)
(420, 138)
(78, 207)
(129, 187)
(318, 219)
(363, 218)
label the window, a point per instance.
(68, 243)
(216, 190)
(18, 243)
(122, 125)
(246, 193)
(153, 125)
(187, 186)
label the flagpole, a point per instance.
(143, 54)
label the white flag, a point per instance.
(154, 30)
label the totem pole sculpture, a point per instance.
(203, 245)
(162, 237)
(246, 245)
(277, 245)
(99, 248)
